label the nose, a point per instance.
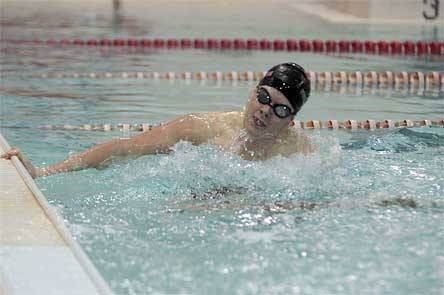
(265, 110)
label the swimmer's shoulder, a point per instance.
(306, 146)
(295, 142)
(234, 119)
(222, 119)
(207, 125)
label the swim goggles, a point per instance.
(280, 110)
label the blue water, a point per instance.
(140, 224)
(363, 216)
(374, 225)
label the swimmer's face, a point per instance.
(260, 119)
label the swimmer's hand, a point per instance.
(33, 171)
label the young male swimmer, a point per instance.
(261, 131)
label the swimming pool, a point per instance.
(374, 201)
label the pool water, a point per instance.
(362, 216)
(375, 226)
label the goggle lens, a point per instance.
(280, 110)
(263, 97)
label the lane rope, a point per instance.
(386, 79)
(381, 47)
(311, 124)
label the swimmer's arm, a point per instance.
(158, 140)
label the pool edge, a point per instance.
(58, 223)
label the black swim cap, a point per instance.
(291, 80)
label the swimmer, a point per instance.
(261, 131)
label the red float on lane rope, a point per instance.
(159, 43)
(65, 42)
(370, 47)
(409, 47)
(185, 43)
(395, 47)
(252, 44)
(172, 43)
(357, 46)
(199, 43)
(292, 45)
(239, 44)
(304, 45)
(212, 44)
(265, 44)
(145, 43)
(421, 48)
(344, 46)
(383, 47)
(105, 42)
(330, 46)
(118, 42)
(226, 44)
(92, 42)
(436, 47)
(132, 42)
(318, 46)
(278, 45)
(79, 42)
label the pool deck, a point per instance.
(38, 255)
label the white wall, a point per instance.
(427, 11)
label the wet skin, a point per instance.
(254, 134)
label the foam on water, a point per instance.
(363, 216)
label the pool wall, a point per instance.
(38, 253)
(401, 12)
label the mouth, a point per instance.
(259, 123)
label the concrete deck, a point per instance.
(37, 253)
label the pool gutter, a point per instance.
(38, 254)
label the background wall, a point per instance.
(415, 10)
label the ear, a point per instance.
(292, 117)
